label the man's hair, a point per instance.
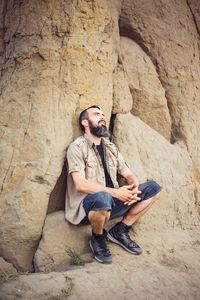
(84, 116)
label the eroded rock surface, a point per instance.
(148, 94)
(171, 40)
(152, 157)
(56, 56)
(58, 237)
(6, 268)
(133, 58)
(168, 269)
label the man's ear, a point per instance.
(84, 123)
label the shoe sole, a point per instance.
(95, 257)
(113, 240)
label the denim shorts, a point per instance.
(104, 201)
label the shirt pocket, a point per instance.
(91, 170)
(112, 170)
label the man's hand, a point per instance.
(127, 194)
(135, 197)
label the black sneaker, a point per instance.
(98, 245)
(119, 234)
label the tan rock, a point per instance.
(149, 102)
(150, 156)
(53, 65)
(6, 269)
(59, 235)
(38, 286)
(57, 58)
(171, 40)
(122, 100)
(169, 268)
(194, 7)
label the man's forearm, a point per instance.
(132, 179)
(89, 187)
(125, 193)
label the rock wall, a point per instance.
(56, 56)
(139, 61)
(169, 34)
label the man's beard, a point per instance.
(99, 130)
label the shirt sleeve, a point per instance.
(75, 159)
(121, 164)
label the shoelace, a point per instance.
(102, 247)
(126, 233)
(131, 242)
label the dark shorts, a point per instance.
(104, 201)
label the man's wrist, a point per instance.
(135, 182)
(132, 180)
(112, 191)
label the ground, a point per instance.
(169, 268)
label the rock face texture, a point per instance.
(139, 61)
(144, 152)
(171, 40)
(58, 237)
(55, 57)
(148, 94)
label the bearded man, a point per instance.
(93, 192)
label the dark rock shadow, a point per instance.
(57, 196)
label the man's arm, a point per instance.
(132, 180)
(124, 193)
(130, 177)
(125, 172)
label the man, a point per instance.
(93, 193)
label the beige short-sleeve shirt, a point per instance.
(83, 157)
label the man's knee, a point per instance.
(150, 189)
(104, 201)
(157, 196)
(157, 189)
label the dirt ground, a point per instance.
(169, 268)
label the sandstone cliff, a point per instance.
(138, 60)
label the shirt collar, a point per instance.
(91, 144)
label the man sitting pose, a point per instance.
(93, 193)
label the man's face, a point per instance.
(97, 123)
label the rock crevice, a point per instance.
(196, 22)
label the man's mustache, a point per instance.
(103, 122)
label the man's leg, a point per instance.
(97, 207)
(119, 234)
(98, 219)
(139, 210)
